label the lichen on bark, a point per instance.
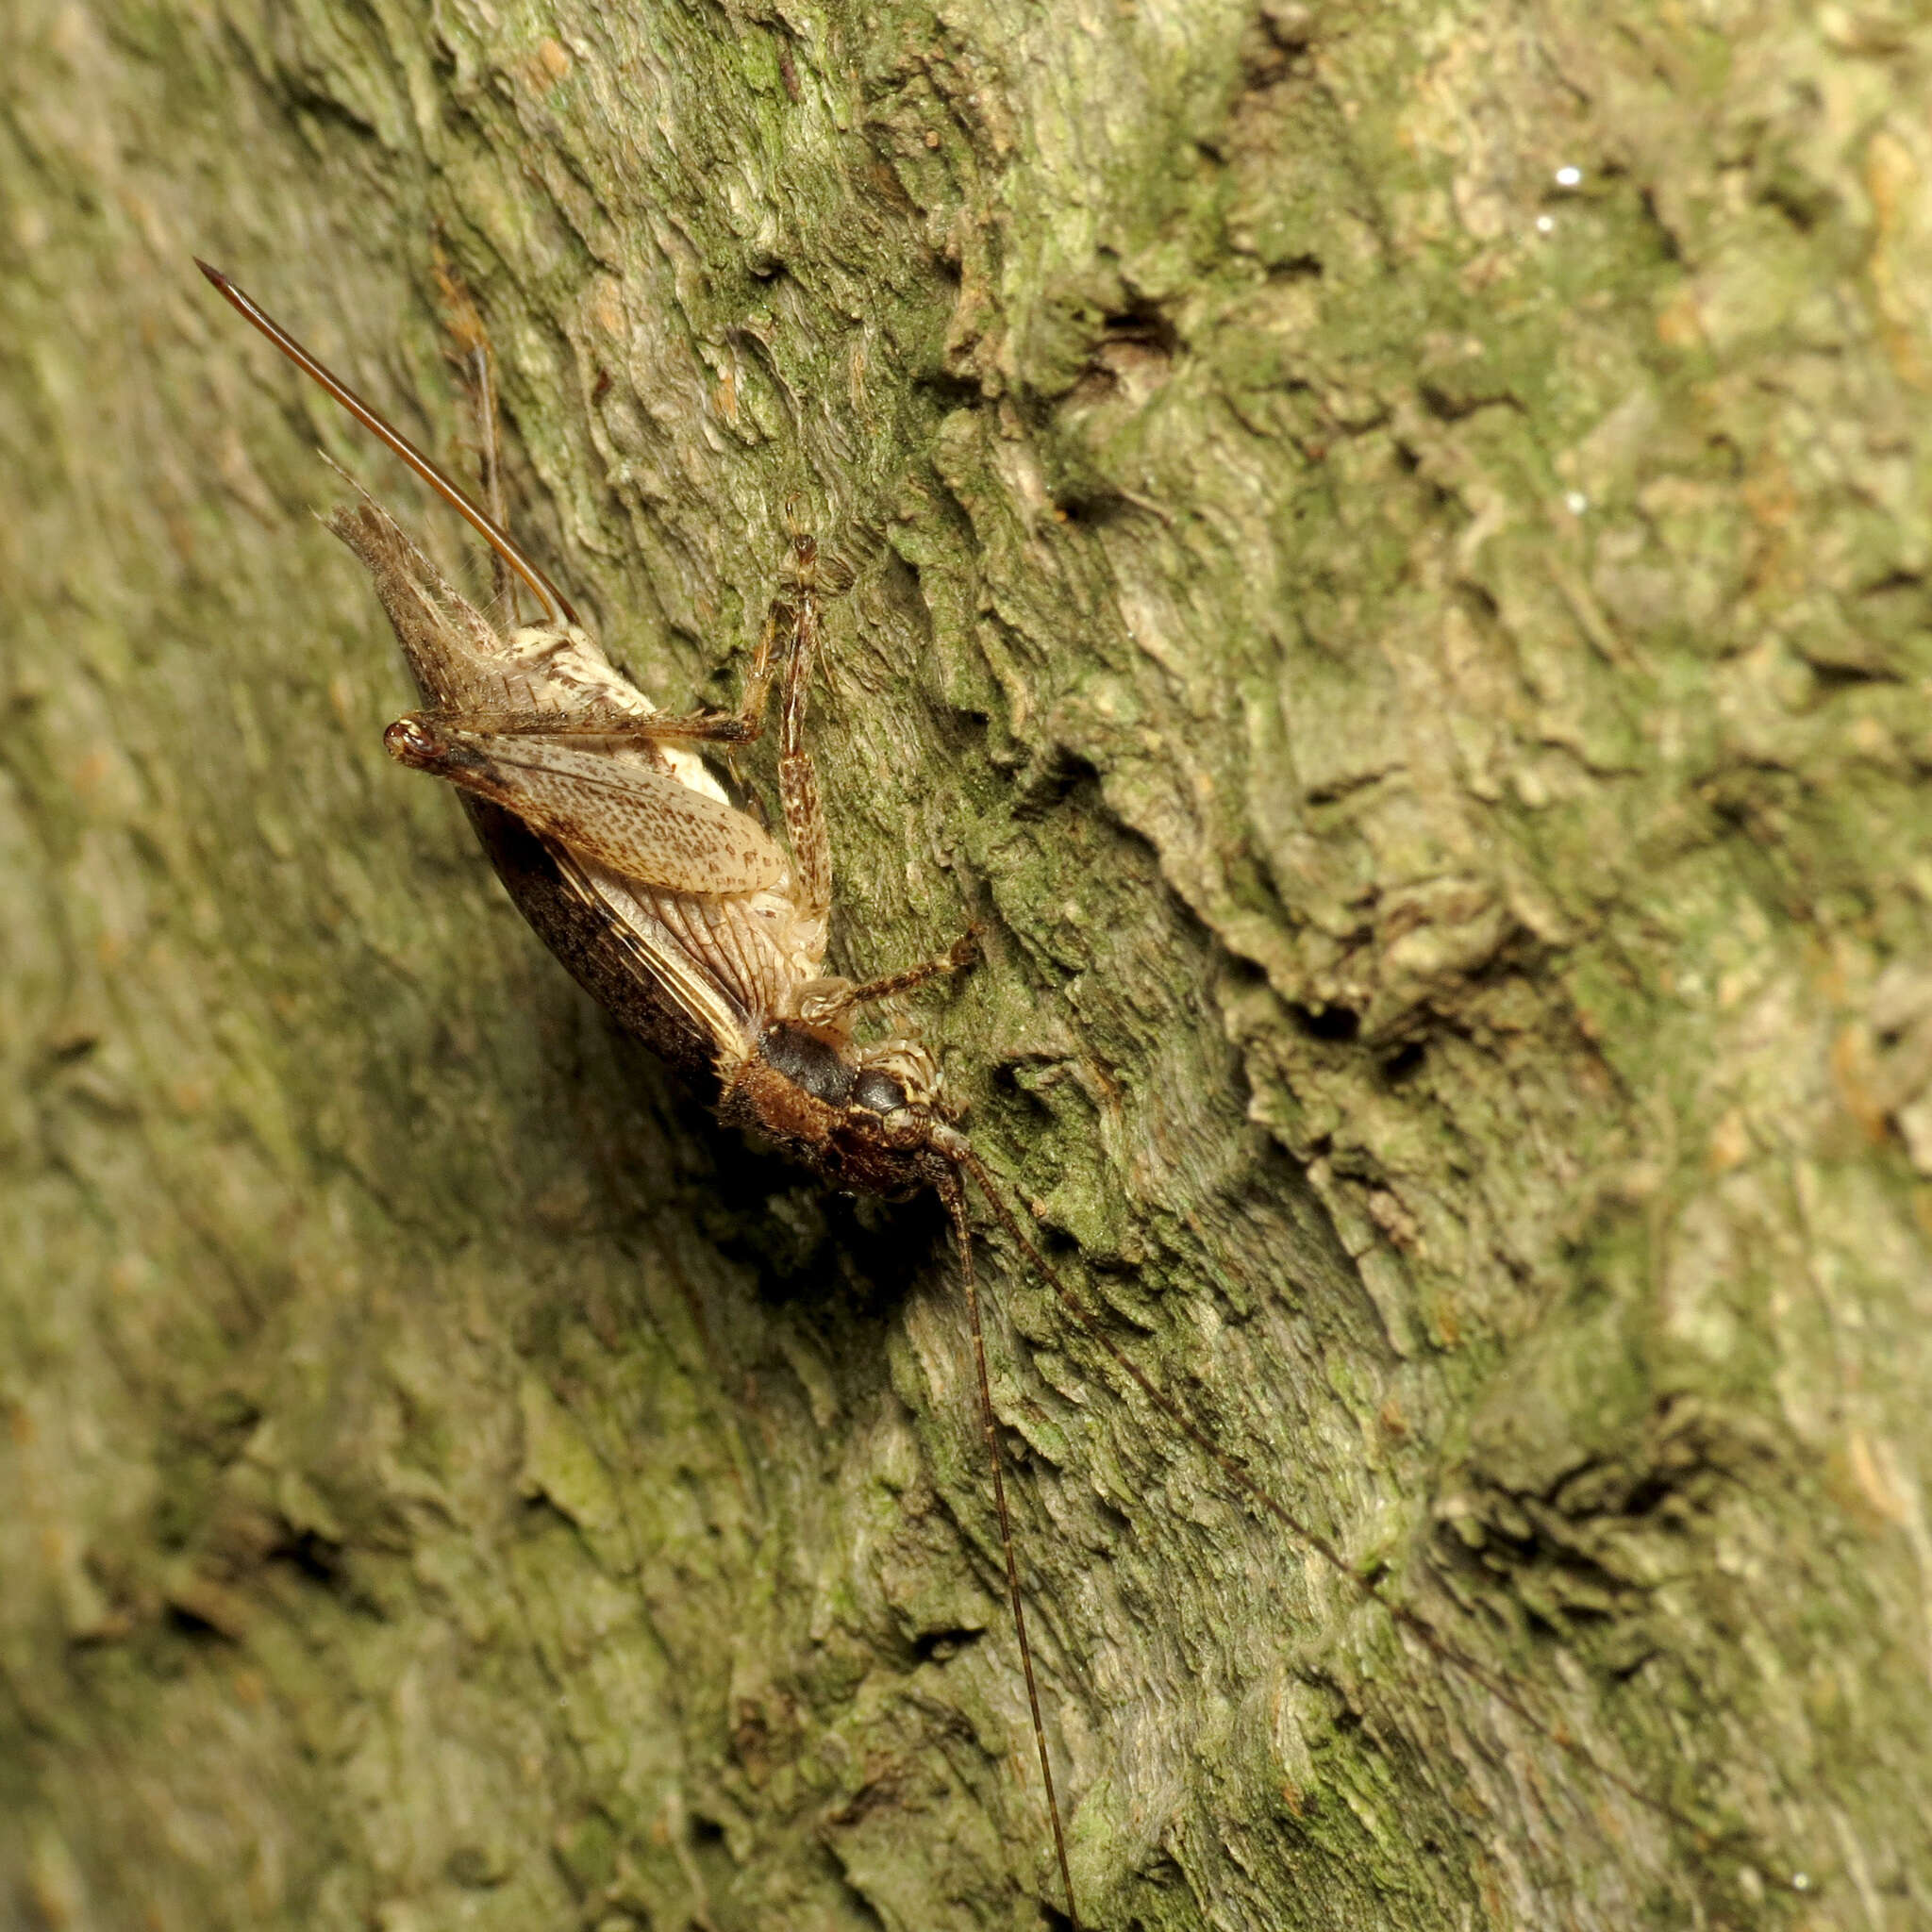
(1391, 550)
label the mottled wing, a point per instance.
(612, 811)
(635, 924)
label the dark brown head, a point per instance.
(870, 1119)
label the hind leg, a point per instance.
(480, 380)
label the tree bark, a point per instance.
(1391, 551)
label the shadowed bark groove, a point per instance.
(1391, 550)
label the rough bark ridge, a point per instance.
(1392, 549)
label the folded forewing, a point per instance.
(606, 807)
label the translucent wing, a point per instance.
(605, 808)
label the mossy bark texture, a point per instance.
(1391, 551)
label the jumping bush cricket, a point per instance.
(697, 932)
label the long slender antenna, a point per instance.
(556, 607)
(954, 1193)
(1443, 1648)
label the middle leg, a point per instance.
(819, 1007)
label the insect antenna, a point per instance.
(953, 1192)
(1445, 1650)
(556, 607)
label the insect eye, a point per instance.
(877, 1092)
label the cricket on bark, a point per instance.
(682, 916)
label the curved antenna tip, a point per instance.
(556, 607)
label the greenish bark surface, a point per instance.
(1420, 658)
